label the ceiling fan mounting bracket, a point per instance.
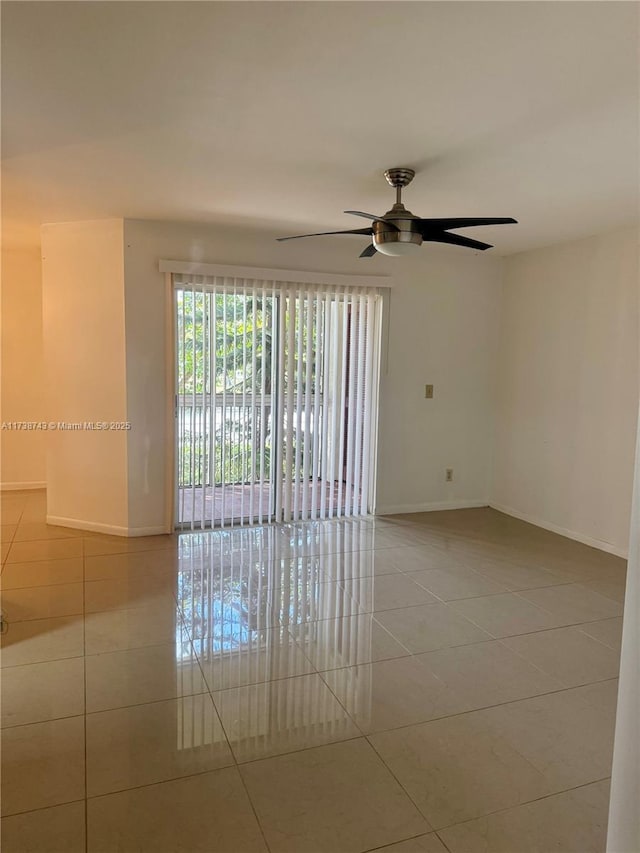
(399, 177)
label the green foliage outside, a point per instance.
(225, 345)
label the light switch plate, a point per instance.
(428, 392)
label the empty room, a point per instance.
(320, 504)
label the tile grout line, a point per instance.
(521, 593)
(504, 591)
(526, 802)
(362, 733)
(525, 633)
(13, 536)
(438, 830)
(402, 787)
(384, 847)
(43, 808)
(442, 841)
(275, 755)
(166, 781)
(253, 808)
(117, 791)
(597, 639)
(210, 691)
(488, 707)
(539, 668)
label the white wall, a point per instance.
(443, 326)
(23, 452)
(85, 373)
(441, 330)
(568, 388)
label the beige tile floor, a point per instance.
(415, 684)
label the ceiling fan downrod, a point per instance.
(399, 178)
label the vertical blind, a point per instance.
(276, 400)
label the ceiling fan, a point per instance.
(400, 232)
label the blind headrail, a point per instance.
(267, 274)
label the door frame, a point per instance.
(168, 267)
(171, 384)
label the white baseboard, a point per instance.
(601, 544)
(149, 531)
(16, 487)
(108, 529)
(91, 526)
(431, 506)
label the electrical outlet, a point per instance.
(449, 475)
(428, 392)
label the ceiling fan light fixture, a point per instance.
(397, 249)
(405, 239)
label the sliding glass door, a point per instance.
(276, 395)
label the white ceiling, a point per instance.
(281, 115)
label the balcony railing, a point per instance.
(224, 439)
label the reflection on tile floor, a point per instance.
(429, 682)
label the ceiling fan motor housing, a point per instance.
(399, 226)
